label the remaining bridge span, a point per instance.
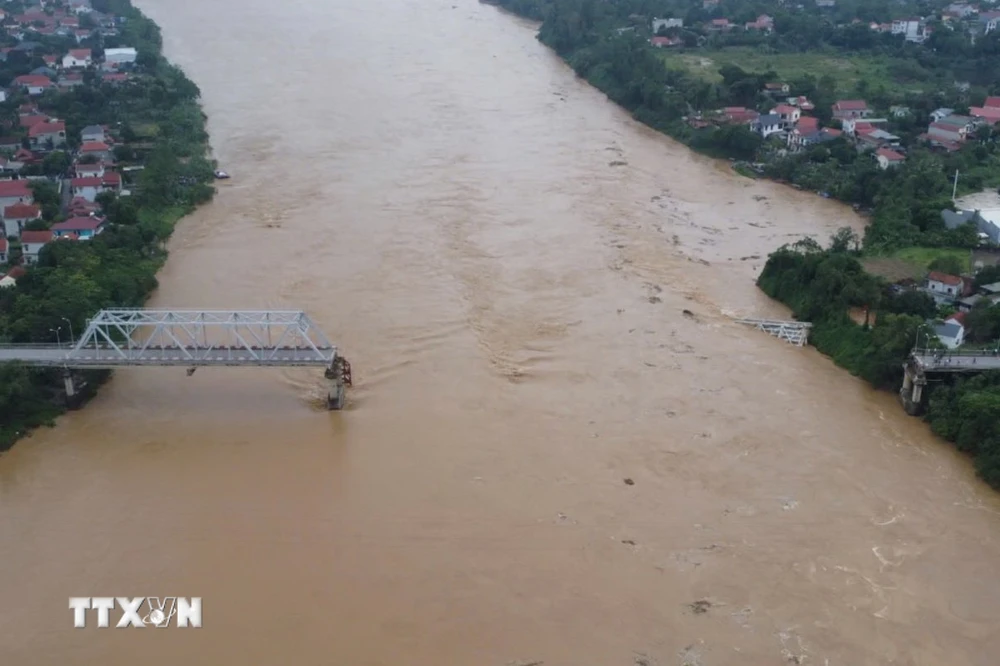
(795, 332)
(192, 339)
(923, 362)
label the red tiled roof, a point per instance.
(94, 147)
(851, 105)
(21, 211)
(89, 181)
(958, 317)
(79, 224)
(17, 271)
(14, 188)
(46, 128)
(28, 121)
(49, 59)
(807, 124)
(989, 113)
(3, 244)
(992, 102)
(784, 108)
(890, 155)
(944, 278)
(80, 54)
(36, 236)
(32, 80)
(832, 132)
(112, 178)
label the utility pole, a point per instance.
(954, 188)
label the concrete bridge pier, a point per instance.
(912, 391)
(73, 397)
(338, 376)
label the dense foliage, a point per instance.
(968, 414)
(606, 43)
(163, 129)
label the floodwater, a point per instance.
(506, 259)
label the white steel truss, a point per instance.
(795, 332)
(201, 337)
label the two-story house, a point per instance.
(32, 243)
(789, 114)
(47, 135)
(768, 124)
(944, 285)
(16, 217)
(98, 149)
(14, 192)
(92, 134)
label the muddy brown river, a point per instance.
(505, 257)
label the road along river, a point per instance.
(506, 258)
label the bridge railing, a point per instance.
(946, 353)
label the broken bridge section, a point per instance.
(192, 339)
(795, 332)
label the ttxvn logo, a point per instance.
(138, 611)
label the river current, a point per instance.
(506, 258)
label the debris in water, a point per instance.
(617, 163)
(628, 542)
(687, 313)
(629, 482)
(655, 299)
(699, 607)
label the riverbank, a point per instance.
(152, 119)
(904, 201)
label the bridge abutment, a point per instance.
(73, 397)
(912, 392)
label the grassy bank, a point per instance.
(845, 70)
(158, 123)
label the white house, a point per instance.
(32, 243)
(769, 124)
(115, 57)
(888, 158)
(77, 58)
(908, 28)
(16, 217)
(662, 24)
(14, 192)
(951, 333)
(87, 188)
(943, 284)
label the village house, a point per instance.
(989, 21)
(888, 158)
(32, 243)
(764, 23)
(97, 149)
(16, 217)
(951, 332)
(82, 228)
(14, 192)
(802, 102)
(775, 88)
(989, 115)
(94, 170)
(909, 28)
(720, 25)
(10, 279)
(789, 114)
(115, 58)
(662, 42)
(953, 129)
(77, 58)
(943, 285)
(768, 124)
(33, 84)
(70, 80)
(664, 24)
(898, 111)
(938, 114)
(87, 188)
(47, 135)
(92, 134)
(739, 115)
(3, 251)
(851, 108)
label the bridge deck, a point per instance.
(956, 361)
(107, 358)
